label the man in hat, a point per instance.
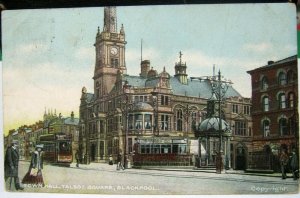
(12, 166)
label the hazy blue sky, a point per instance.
(48, 55)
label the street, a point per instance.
(105, 179)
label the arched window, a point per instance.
(282, 101)
(292, 125)
(283, 127)
(194, 120)
(265, 103)
(264, 83)
(282, 78)
(291, 100)
(266, 128)
(290, 76)
(179, 120)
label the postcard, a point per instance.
(151, 100)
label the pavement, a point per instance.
(105, 166)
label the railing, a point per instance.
(260, 160)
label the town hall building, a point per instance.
(152, 119)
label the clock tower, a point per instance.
(110, 53)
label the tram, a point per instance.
(57, 149)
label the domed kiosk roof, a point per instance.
(212, 124)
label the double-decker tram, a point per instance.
(57, 148)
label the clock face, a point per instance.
(114, 51)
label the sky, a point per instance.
(48, 54)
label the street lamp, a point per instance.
(219, 89)
(125, 109)
(155, 109)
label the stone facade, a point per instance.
(154, 114)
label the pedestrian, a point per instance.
(119, 162)
(294, 165)
(283, 163)
(11, 166)
(34, 174)
(77, 158)
(110, 162)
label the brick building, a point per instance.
(153, 114)
(275, 111)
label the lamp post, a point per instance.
(155, 109)
(125, 108)
(219, 88)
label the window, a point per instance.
(164, 100)
(282, 101)
(148, 121)
(164, 122)
(140, 98)
(283, 127)
(266, 128)
(266, 103)
(130, 145)
(179, 120)
(240, 128)
(138, 121)
(165, 148)
(130, 121)
(291, 100)
(114, 62)
(264, 83)
(282, 78)
(290, 76)
(247, 110)
(292, 125)
(235, 108)
(194, 120)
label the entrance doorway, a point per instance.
(93, 152)
(240, 158)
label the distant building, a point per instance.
(274, 112)
(153, 115)
(28, 136)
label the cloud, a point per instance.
(257, 47)
(85, 53)
(34, 47)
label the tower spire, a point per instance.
(141, 50)
(110, 19)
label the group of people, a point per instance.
(11, 165)
(291, 163)
(119, 161)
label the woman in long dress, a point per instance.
(34, 174)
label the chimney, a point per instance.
(145, 67)
(270, 62)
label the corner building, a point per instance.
(151, 117)
(275, 112)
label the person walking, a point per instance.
(11, 166)
(119, 162)
(77, 158)
(34, 174)
(294, 165)
(284, 158)
(110, 162)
